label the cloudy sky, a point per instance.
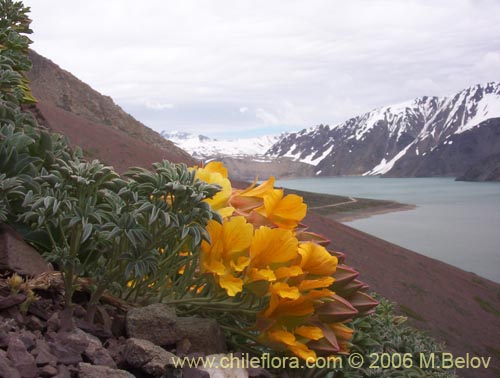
(228, 68)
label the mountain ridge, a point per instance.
(105, 130)
(391, 140)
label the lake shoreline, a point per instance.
(370, 212)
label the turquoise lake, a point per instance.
(455, 222)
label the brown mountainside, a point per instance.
(94, 122)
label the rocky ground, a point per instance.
(122, 342)
(33, 343)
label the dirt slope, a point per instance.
(110, 146)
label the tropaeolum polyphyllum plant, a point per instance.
(276, 280)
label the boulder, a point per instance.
(148, 357)
(200, 335)
(155, 323)
(18, 256)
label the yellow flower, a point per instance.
(282, 307)
(216, 173)
(302, 351)
(283, 337)
(311, 332)
(228, 241)
(315, 259)
(316, 284)
(320, 294)
(260, 191)
(272, 246)
(284, 212)
(244, 201)
(216, 167)
(226, 254)
(261, 275)
(284, 291)
(288, 271)
(231, 284)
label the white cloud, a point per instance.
(155, 105)
(298, 63)
(243, 109)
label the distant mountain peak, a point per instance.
(384, 140)
(204, 147)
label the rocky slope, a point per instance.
(487, 169)
(95, 122)
(395, 140)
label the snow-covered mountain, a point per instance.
(428, 136)
(202, 147)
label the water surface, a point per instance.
(456, 222)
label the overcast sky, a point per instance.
(228, 68)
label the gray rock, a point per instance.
(91, 371)
(147, 356)
(199, 335)
(156, 323)
(21, 359)
(115, 348)
(18, 256)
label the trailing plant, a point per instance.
(267, 280)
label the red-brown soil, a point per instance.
(454, 306)
(113, 147)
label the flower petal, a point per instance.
(311, 332)
(317, 260)
(231, 284)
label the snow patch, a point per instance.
(385, 166)
(309, 159)
(488, 107)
